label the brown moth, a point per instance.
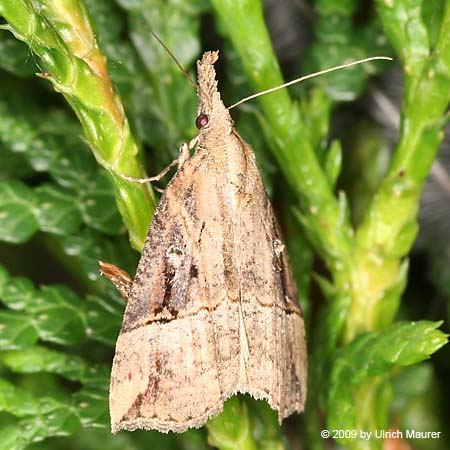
(213, 309)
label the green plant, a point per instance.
(56, 342)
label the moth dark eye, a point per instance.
(202, 121)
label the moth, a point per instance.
(213, 308)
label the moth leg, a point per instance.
(183, 156)
(121, 280)
(185, 151)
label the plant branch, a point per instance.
(61, 34)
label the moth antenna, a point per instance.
(164, 46)
(311, 75)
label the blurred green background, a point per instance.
(348, 159)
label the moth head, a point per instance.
(212, 113)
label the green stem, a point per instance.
(61, 34)
(390, 225)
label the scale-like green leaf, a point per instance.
(48, 416)
(361, 364)
(21, 128)
(96, 375)
(12, 437)
(407, 33)
(17, 221)
(18, 293)
(40, 359)
(57, 210)
(53, 313)
(75, 166)
(104, 317)
(98, 207)
(16, 401)
(59, 315)
(17, 330)
(333, 162)
(56, 418)
(93, 408)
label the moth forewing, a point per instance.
(213, 308)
